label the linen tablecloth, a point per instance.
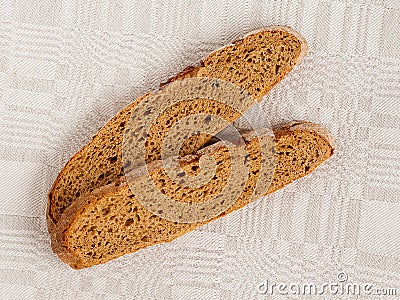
(67, 66)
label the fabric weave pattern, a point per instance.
(66, 67)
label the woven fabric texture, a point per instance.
(67, 66)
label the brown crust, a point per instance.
(189, 71)
(305, 125)
(58, 230)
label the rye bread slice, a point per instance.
(109, 222)
(256, 63)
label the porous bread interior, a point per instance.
(168, 118)
(255, 68)
(255, 63)
(116, 223)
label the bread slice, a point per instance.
(255, 63)
(110, 222)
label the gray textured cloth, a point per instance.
(67, 66)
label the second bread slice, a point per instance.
(110, 221)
